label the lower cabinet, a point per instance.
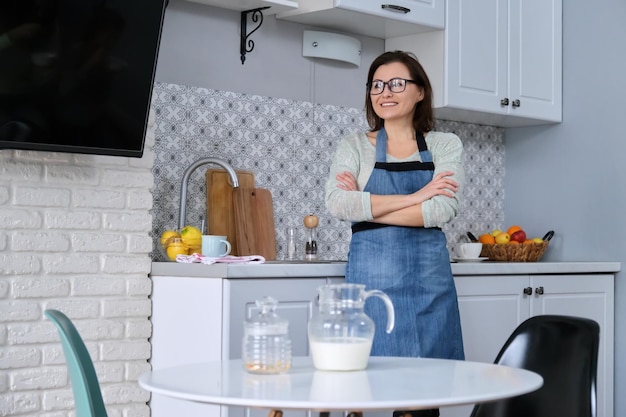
(295, 303)
(201, 319)
(492, 306)
(186, 328)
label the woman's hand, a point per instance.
(441, 184)
(347, 181)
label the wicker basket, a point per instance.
(524, 252)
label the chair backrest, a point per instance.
(87, 394)
(564, 351)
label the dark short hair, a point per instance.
(423, 116)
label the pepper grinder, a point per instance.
(310, 251)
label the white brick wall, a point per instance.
(74, 236)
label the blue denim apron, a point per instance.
(410, 264)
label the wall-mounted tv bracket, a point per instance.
(247, 45)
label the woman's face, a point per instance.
(395, 106)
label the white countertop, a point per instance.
(278, 269)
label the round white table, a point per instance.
(386, 384)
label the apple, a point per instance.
(519, 236)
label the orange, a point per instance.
(486, 239)
(513, 229)
(513, 242)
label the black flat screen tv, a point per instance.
(77, 75)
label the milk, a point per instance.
(341, 353)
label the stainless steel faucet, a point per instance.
(185, 182)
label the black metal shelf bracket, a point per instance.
(247, 45)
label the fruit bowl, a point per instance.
(187, 241)
(507, 247)
(523, 252)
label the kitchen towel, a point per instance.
(228, 259)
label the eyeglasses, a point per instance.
(396, 85)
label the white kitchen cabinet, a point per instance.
(498, 62)
(492, 306)
(295, 303)
(201, 319)
(275, 6)
(380, 19)
(186, 328)
(198, 313)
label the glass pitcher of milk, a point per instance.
(340, 333)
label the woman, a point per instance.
(399, 183)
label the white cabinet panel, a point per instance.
(585, 296)
(380, 19)
(490, 308)
(275, 6)
(498, 62)
(493, 306)
(295, 303)
(535, 59)
(476, 55)
(186, 317)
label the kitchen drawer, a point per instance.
(380, 19)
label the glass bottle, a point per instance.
(291, 243)
(266, 344)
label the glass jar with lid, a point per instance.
(266, 344)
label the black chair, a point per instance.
(564, 351)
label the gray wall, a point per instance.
(191, 54)
(571, 177)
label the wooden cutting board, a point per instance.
(254, 219)
(220, 212)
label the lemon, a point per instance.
(175, 247)
(167, 235)
(191, 236)
(503, 237)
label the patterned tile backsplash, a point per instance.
(289, 145)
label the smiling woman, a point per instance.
(398, 184)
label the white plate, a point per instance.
(484, 258)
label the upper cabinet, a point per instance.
(498, 62)
(275, 6)
(380, 19)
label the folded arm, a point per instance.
(432, 206)
(403, 209)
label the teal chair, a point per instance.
(87, 394)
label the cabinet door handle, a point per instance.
(395, 8)
(516, 103)
(504, 101)
(539, 290)
(528, 291)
